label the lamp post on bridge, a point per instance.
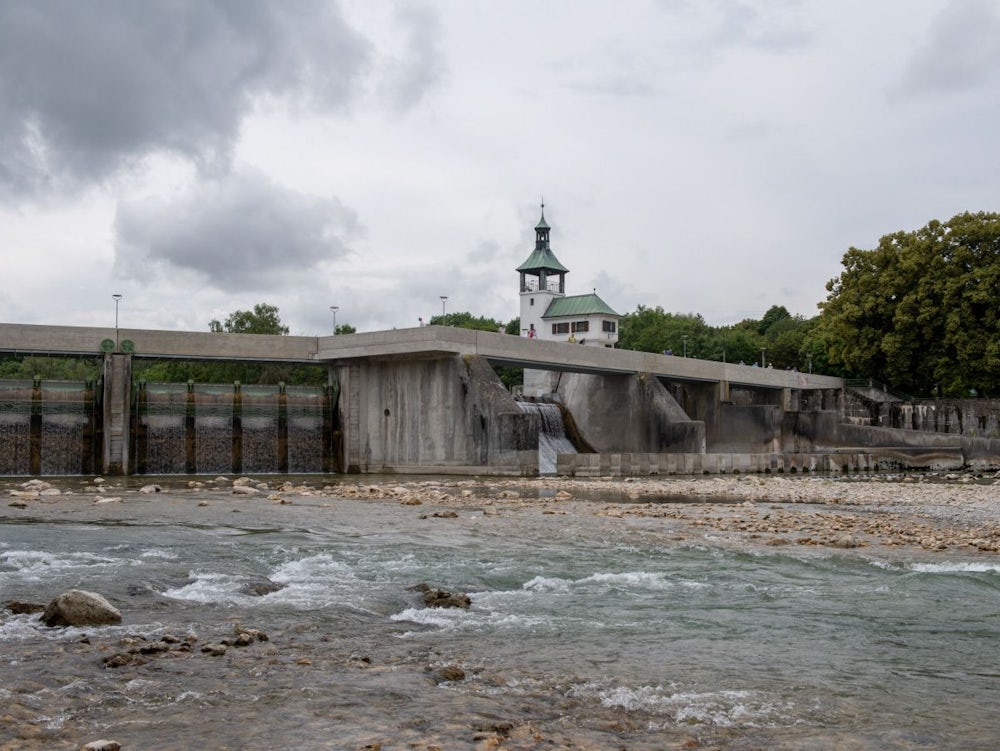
(116, 297)
(762, 351)
(684, 342)
(444, 299)
(334, 309)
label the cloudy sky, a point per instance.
(708, 156)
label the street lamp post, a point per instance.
(116, 298)
(762, 350)
(334, 309)
(444, 299)
(684, 341)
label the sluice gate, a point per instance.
(49, 427)
(60, 427)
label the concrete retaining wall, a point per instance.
(640, 464)
(979, 418)
(448, 414)
(628, 413)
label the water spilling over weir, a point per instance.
(552, 439)
(56, 428)
(204, 429)
(48, 428)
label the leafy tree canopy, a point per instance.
(921, 311)
(774, 315)
(508, 376)
(263, 319)
(467, 321)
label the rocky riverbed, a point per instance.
(305, 594)
(958, 512)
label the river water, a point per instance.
(585, 632)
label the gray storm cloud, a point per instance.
(961, 52)
(90, 86)
(240, 232)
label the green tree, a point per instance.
(921, 310)
(775, 314)
(51, 368)
(653, 330)
(263, 319)
(466, 320)
(738, 343)
(510, 377)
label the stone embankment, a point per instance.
(954, 512)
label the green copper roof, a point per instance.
(578, 305)
(542, 259)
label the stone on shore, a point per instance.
(102, 745)
(80, 608)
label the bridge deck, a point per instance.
(427, 341)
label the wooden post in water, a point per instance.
(190, 436)
(35, 429)
(332, 438)
(89, 430)
(237, 429)
(282, 429)
(141, 428)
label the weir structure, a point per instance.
(427, 400)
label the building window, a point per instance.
(581, 326)
(560, 328)
(608, 326)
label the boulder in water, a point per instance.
(442, 598)
(261, 587)
(80, 608)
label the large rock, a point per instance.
(442, 598)
(79, 608)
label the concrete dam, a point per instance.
(427, 400)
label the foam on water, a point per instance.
(35, 565)
(472, 620)
(724, 708)
(957, 567)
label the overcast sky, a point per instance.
(708, 156)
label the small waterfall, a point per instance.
(47, 427)
(222, 428)
(552, 439)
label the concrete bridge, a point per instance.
(426, 342)
(427, 399)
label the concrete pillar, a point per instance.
(117, 415)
